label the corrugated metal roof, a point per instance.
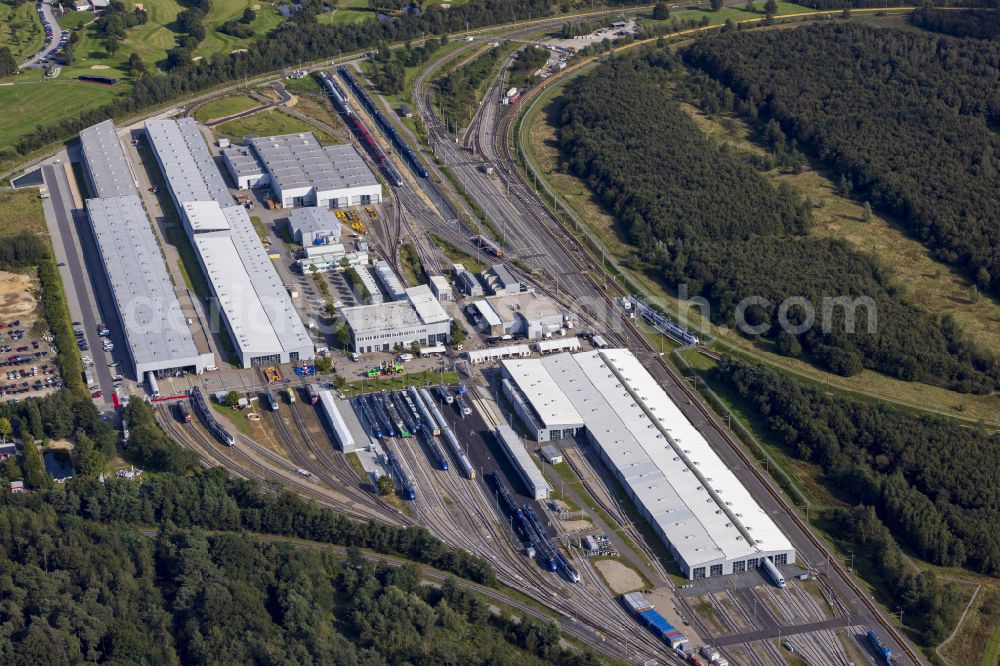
(155, 327)
(106, 161)
(670, 490)
(188, 165)
(296, 161)
(314, 220)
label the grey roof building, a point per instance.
(253, 303)
(468, 284)
(187, 165)
(389, 280)
(302, 172)
(159, 338)
(314, 226)
(502, 281)
(108, 170)
(245, 168)
(418, 317)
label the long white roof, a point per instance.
(109, 167)
(155, 327)
(551, 405)
(187, 162)
(248, 287)
(703, 523)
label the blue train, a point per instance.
(339, 100)
(881, 649)
(387, 127)
(407, 488)
(201, 407)
(367, 417)
(539, 539)
(660, 321)
(378, 409)
(503, 492)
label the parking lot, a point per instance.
(27, 358)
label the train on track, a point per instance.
(661, 322)
(183, 412)
(503, 492)
(272, 400)
(205, 414)
(339, 101)
(487, 245)
(368, 419)
(881, 649)
(449, 436)
(407, 488)
(772, 572)
(387, 127)
(313, 393)
(290, 392)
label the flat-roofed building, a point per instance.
(527, 470)
(389, 280)
(252, 301)
(302, 172)
(186, 163)
(159, 339)
(524, 314)
(105, 164)
(314, 226)
(245, 168)
(538, 401)
(467, 283)
(693, 501)
(418, 317)
(501, 280)
(441, 287)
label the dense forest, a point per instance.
(905, 117)
(978, 23)
(75, 590)
(933, 482)
(703, 217)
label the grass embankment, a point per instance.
(20, 30)
(268, 123)
(944, 294)
(21, 211)
(396, 382)
(413, 269)
(458, 255)
(224, 107)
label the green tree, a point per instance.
(248, 15)
(89, 460)
(33, 466)
(661, 12)
(457, 333)
(770, 7)
(749, 7)
(323, 364)
(788, 344)
(415, 348)
(867, 216)
(136, 64)
(111, 46)
(385, 485)
(232, 399)
(6, 429)
(716, 5)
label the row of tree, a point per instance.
(458, 94)
(79, 591)
(300, 39)
(931, 481)
(978, 23)
(705, 219)
(905, 118)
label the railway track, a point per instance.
(503, 137)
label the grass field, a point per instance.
(347, 11)
(322, 110)
(268, 123)
(224, 107)
(20, 30)
(21, 210)
(737, 14)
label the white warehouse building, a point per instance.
(417, 318)
(251, 299)
(156, 330)
(693, 501)
(302, 172)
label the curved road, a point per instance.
(48, 19)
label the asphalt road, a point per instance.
(68, 220)
(51, 41)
